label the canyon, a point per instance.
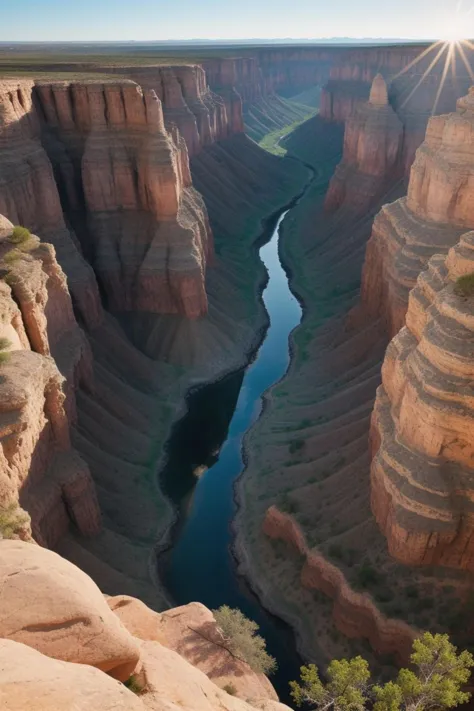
(145, 201)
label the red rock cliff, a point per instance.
(147, 229)
(430, 220)
(372, 141)
(40, 471)
(423, 467)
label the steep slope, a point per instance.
(429, 220)
(41, 472)
(372, 141)
(422, 471)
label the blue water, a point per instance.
(199, 566)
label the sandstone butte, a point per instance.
(63, 647)
(438, 208)
(423, 468)
(372, 141)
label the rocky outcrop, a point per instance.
(30, 680)
(148, 235)
(40, 469)
(192, 632)
(52, 606)
(430, 220)
(372, 140)
(423, 468)
(355, 614)
(62, 647)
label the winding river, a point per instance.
(205, 459)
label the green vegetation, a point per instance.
(439, 673)
(12, 519)
(4, 353)
(296, 445)
(271, 142)
(242, 641)
(231, 689)
(20, 235)
(134, 684)
(465, 285)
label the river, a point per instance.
(204, 461)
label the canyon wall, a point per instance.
(372, 141)
(429, 220)
(422, 470)
(147, 232)
(45, 358)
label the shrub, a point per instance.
(134, 684)
(436, 681)
(12, 518)
(367, 575)
(20, 235)
(12, 256)
(4, 354)
(231, 689)
(242, 639)
(465, 285)
(296, 445)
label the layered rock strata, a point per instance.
(423, 468)
(372, 140)
(45, 359)
(148, 234)
(437, 210)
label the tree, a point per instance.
(242, 640)
(346, 688)
(435, 682)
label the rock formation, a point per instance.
(148, 235)
(355, 614)
(40, 470)
(423, 468)
(372, 141)
(192, 632)
(62, 647)
(437, 210)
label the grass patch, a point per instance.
(271, 142)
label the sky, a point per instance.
(95, 20)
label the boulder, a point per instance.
(30, 680)
(52, 606)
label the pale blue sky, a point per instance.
(46, 20)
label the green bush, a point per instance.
(296, 445)
(4, 354)
(20, 235)
(367, 575)
(12, 519)
(134, 684)
(465, 285)
(242, 639)
(231, 689)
